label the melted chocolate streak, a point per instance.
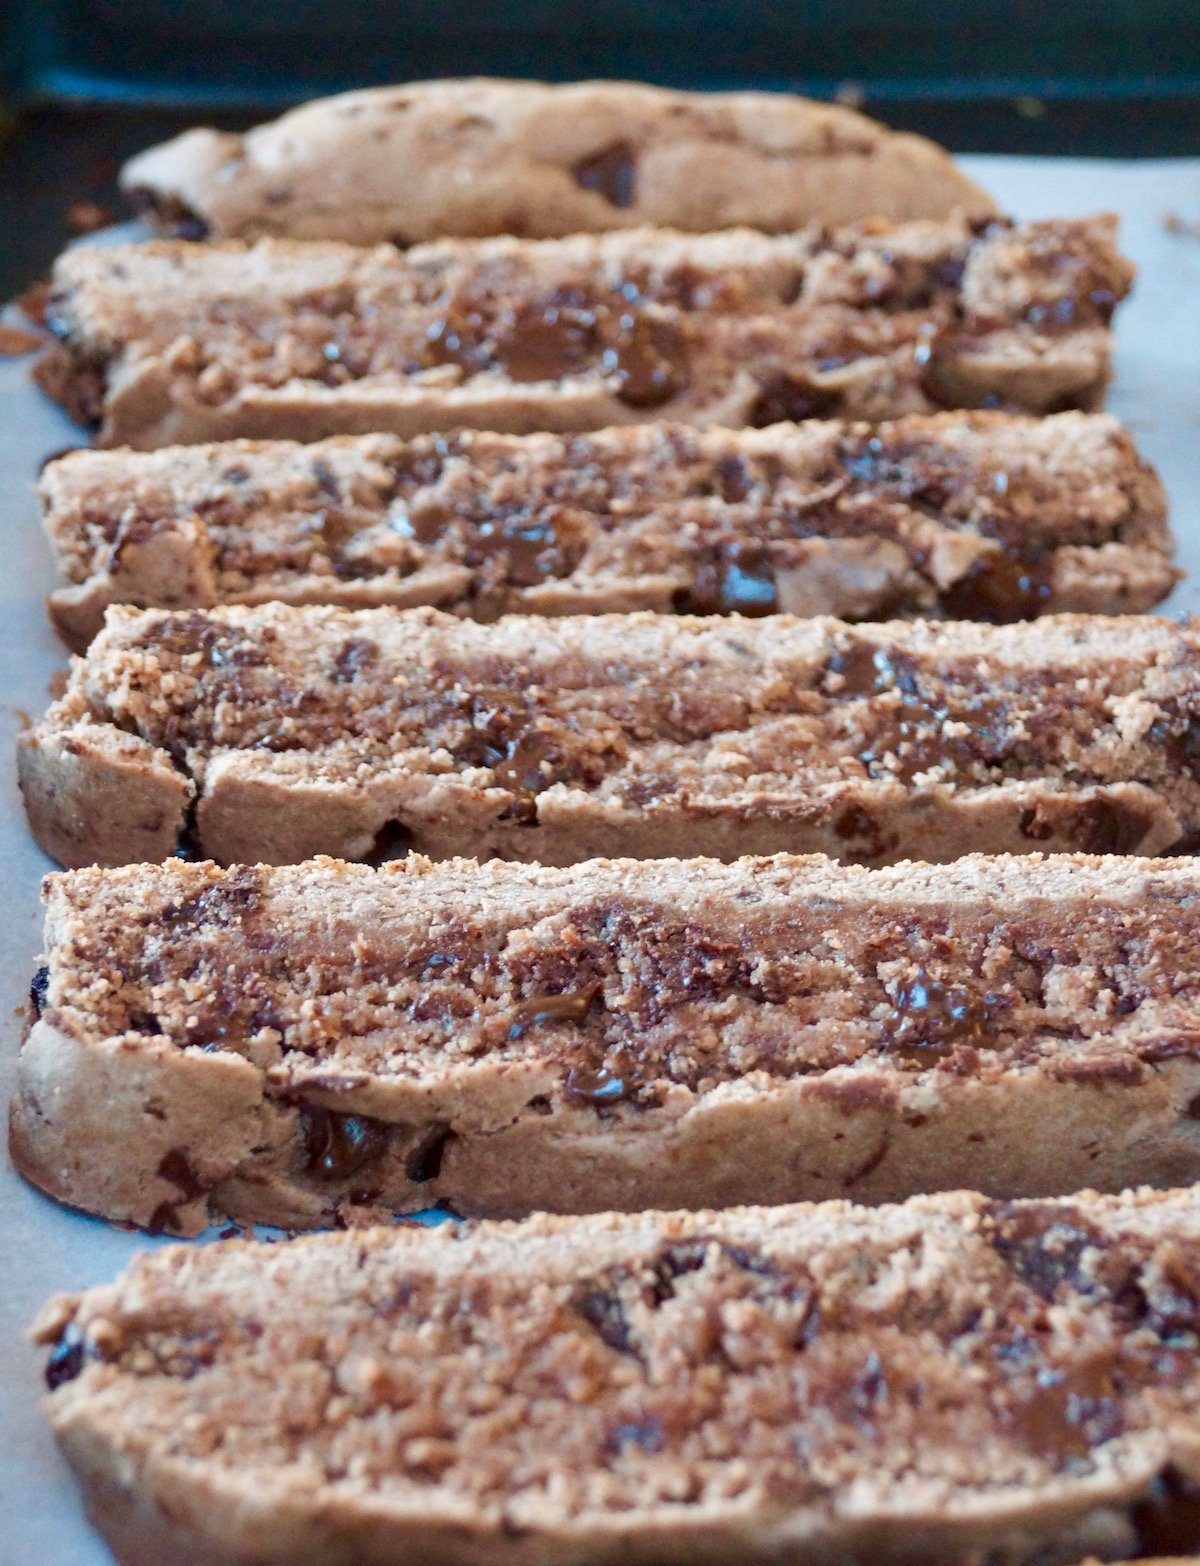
(930, 1019)
(896, 715)
(530, 544)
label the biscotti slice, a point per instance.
(949, 1382)
(176, 343)
(985, 515)
(274, 733)
(428, 160)
(287, 1045)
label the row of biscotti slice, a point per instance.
(287, 1045)
(276, 732)
(976, 515)
(170, 342)
(947, 1382)
(426, 160)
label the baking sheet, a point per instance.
(44, 1248)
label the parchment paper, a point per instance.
(43, 1248)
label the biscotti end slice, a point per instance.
(310, 1044)
(168, 343)
(948, 1382)
(960, 515)
(273, 733)
(476, 157)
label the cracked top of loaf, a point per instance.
(486, 156)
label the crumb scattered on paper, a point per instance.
(15, 340)
(1174, 224)
(32, 303)
(85, 217)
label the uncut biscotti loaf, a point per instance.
(950, 1382)
(985, 515)
(289, 1045)
(276, 732)
(175, 343)
(428, 160)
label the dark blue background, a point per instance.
(95, 80)
(249, 53)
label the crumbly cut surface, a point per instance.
(293, 1045)
(272, 733)
(476, 157)
(949, 1381)
(171, 342)
(977, 515)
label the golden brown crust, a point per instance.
(476, 157)
(294, 1045)
(176, 343)
(273, 733)
(972, 515)
(950, 1381)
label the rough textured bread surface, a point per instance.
(476, 157)
(176, 343)
(950, 1382)
(273, 733)
(295, 1045)
(974, 515)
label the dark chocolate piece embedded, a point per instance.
(338, 1146)
(855, 671)
(355, 656)
(39, 987)
(611, 173)
(67, 1357)
(522, 550)
(1168, 1519)
(604, 1086)
(176, 1167)
(1002, 589)
(1107, 826)
(549, 340)
(1067, 1413)
(459, 337)
(738, 579)
(572, 1006)
(856, 825)
(602, 1309)
(929, 1018)
(1042, 1244)
(789, 399)
(649, 357)
(527, 768)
